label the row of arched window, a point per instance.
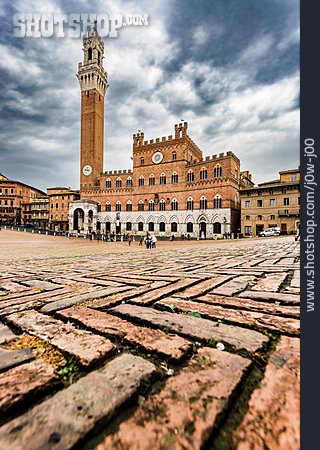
(162, 227)
(163, 205)
(217, 173)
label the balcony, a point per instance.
(292, 212)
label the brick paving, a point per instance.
(192, 345)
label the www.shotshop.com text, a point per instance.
(310, 184)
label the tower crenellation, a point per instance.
(91, 73)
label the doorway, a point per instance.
(202, 230)
(258, 229)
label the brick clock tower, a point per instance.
(93, 80)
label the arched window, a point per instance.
(162, 205)
(162, 227)
(247, 217)
(190, 204)
(140, 226)
(217, 171)
(174, 178)
(174, 156)
(89, 53)
(142, 161)
(108, 226)
(128, 206)
(141, 205)
(260, 217)
(99, 57)
(151, 205)
(141, 180)
(129, 182)
(98, 207)
(174, 227)
(163, 179)
(203, 202)
(108, 183)
(189, 227)
(272, 217)
(203, 174)
(152, 180)
(108, 207)
(217, 228)
(151, 226)
(128, 226)
(118, 206)
(174, 205)
(217, 202)
(118, 182)
(190, 176)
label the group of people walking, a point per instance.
(150, 241)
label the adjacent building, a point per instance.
(274, 203)
(171, 188)
(35, 213)
(13, 194)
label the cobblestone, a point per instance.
(171, 346)
(273, 419)
(86, 346)
(250, 305)
(12, 358)
(165, 343)
(184, 413)
(195, 327)
(6, 334)
(239, 316)
(271, 282)
(61, 421)
(271, 296)
(234, 286)
(18, 385)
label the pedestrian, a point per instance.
(129, 240)
(153, 241)
(141, 241)
(147, 241)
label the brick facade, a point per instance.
(180, 193)
(12, 195)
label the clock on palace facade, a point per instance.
(157, 157)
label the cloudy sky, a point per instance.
(228, 67)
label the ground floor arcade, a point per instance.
(84, 218)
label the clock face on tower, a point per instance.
(87, 170)
(157, 157)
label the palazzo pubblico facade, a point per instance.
(171, 189)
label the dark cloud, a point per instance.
(228, 67)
